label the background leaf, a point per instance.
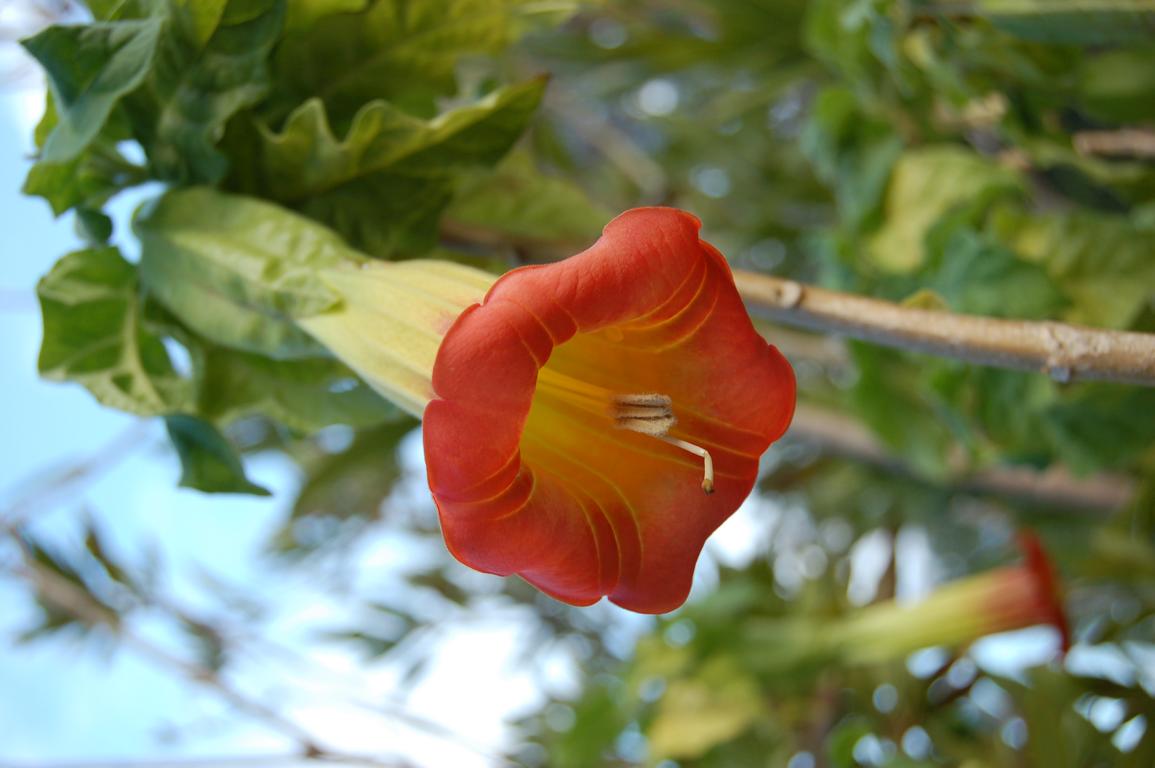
(384, 185)
(208, 462)
(199, 81)
(90, 68)
(305, 395)
(1085, 22)
(404, 53)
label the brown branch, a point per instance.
(1062, 351)
(1127, 142)
(1056, 487)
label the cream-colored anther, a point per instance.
(653, 415)
(649, 414)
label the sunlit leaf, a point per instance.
(95, 334)
(926, 184)
(237, 270)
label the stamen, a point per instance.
(647, 413)
(653, 415)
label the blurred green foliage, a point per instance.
(987, 156)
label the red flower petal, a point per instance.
(530, 474)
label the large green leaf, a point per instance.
(208, 461)
(1082, 22)
(90, 68)
(926, 184)
(305, 395)
(384, 185)
(1119, 85)
(211, 62)
(237, 270)
(95, 334)
(403, 52)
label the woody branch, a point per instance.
(1064, 352)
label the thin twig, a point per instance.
(46, 487)
(1056, 487)
(74, 600)
(1062, 351)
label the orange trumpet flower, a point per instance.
(588, 423)
(593, 421)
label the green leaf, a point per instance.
(405, 53)
(977, 275)
(87, 180)
(200, 80)
(1105, 427)
(109, 10)
(95, 335)
(697, 713)
(205, 15)
(208, 461)
(305, 395)
(90, 68)
(354, 482)
(852, 153)
(926, 184)
(83, 181)
(888, 382)
(303, 14)
(1102, 263)
(93, 226)
(237, 270)
(1119, 86)
(384, 185)
(1080, 22)
(521, 204)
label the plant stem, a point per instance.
(1062, 351)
